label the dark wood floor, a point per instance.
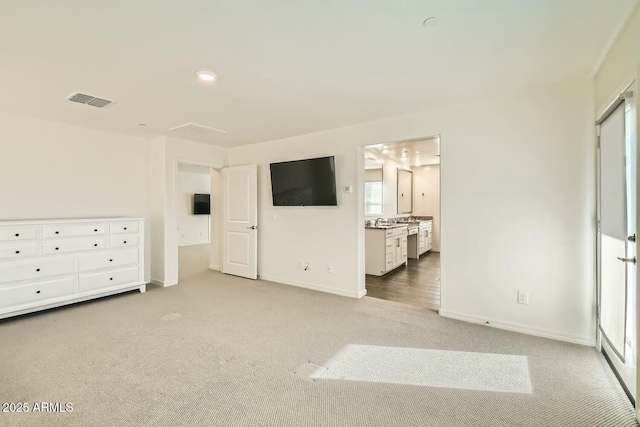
(417, 284)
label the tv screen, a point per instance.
(201, 204)
(309, 182)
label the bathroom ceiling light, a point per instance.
(206, 76)
(385, 151)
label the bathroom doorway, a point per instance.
(402, 221)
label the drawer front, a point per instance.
(107, 259)
(390, 244)
(121, 227)
(413, 231)
(108, 279)
(12, 234)
(399, 231)
(63, 246)
(389, 232)
(12, 271)
(18, 250)
(123, 241)
(389, 260)
(37, 293)
(72, 230)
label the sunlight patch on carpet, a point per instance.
(432, 368)
(310, 370)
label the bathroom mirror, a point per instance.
(405, 191)
(373, 201)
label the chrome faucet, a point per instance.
(378, 220)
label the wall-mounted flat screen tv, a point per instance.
(201, 204)
(309, 182)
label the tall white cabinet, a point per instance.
(46, 264)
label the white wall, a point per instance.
(54, 170)
(620, 65)
(522, 221)
(192, 229)
(426, 197)
(169, 152)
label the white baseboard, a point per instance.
(514, 327)
(313, 287)
(214, 267)
(161, 283)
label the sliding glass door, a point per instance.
(617, 240)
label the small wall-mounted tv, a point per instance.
(308, 182)
(202, 204)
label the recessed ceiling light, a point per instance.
(385, 151)
(206, 76)
(431, 22)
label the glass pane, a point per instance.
(373, 198)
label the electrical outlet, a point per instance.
(523, 297)
(329, 268)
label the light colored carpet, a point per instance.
(192, 260)
(222, 351)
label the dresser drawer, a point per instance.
(18, 250)
(12, 271)
(123, 241)
(108, 279)
(16, 233)
(36, 293)
(122, 227)
(62, 246)
(72, 230)
(107, 259)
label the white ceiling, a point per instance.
(289, 67)
(419, 152)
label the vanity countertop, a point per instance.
(385, 227)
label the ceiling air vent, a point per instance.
(195, 130)
(94, 101)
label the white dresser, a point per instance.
(46, 264)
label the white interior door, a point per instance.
(617, 247)
(240, 221)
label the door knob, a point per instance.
(632, 238)
(253, 227)
(632, 260)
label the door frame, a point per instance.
(173, 248)
(362, 290)
(629, 84)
